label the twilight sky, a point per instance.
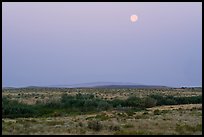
(68, 43)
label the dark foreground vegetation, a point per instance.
(88, 103)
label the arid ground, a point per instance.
(179, 119)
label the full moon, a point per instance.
(133, 18)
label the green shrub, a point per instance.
(88, 103)
(103, 105)
(171, 100)
(134, 102)
(117, 103)
(150, 102)
(12, 109)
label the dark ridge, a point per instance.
(130, 86)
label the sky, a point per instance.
(68, 43)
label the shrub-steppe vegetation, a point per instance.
(88, 103)
(83, 111)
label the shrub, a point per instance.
(171, 100)
(114, 127)
(117, 103)
(103, 105)
(130, 112)
(134, 102)
(12, 109)
(188, 100)
(183, 128)
(150, 102)
(52, 104)
(145, 113)
(81, 124)
(160, 99)
(57, 114)
(86, 103)
(157, 112)
(95, 125)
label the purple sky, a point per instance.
(67, 43)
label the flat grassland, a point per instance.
(179, 119)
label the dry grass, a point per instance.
(174, 107)
(43, 95)
(174, 119)
(139, 123)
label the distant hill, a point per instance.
(110, 85)
(94, 84)
(130, 86)
(8, 88)
(97, 85)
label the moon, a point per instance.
(133, 18)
